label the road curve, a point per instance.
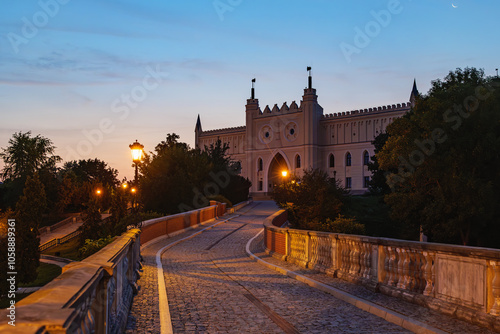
(214, 287)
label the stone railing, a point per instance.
(458, 280)
(57, 241)
(69, 220)
(169, 225)
(91, 296)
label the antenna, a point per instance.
(310, 76)
(253, 89)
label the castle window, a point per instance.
(297, 161)
(259, 165)
(366, 158)
(348, 159)
(348, 182)
(259, 186)
(331, 161)
(366, 182)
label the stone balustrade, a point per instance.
(169, 225)
(456, 280)
(91, 296)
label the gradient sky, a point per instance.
(66, 70)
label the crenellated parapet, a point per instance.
(223, 131)
(284, 109)
(375, 110)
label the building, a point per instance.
(301, 136)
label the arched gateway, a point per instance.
(276, 167)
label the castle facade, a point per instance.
(297, 137)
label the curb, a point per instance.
(365, 305)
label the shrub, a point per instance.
(135, 218)
(93, 246)
(343, 225)
(221, 199)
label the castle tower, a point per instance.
(312, 116)
(252, 110)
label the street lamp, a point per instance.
(284, 173)
(137, 152)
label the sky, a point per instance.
(94, 76)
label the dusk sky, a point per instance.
(93, 76)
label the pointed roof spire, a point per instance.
(414, 93)
(198, 125)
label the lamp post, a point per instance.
(137, 153)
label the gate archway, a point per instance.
(274, 176)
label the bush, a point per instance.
(93, 246)
(135, 218)
(221, 199)
(343, 225)
(310, 200)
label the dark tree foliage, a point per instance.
(310, 200)
(176, 178)
(28, 215)
(444, 161)
(225, 174)
(378, 184)
(25, 156)
(91, 226)
(92, 171)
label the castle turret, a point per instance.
(197, 131)
(312, 115)
(414, 93)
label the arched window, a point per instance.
(259, 165)
(331, 161)
(297, 161)
(348, 159)
(366, 158)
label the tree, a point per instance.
(91, 222)
(443, 161)
(28, 215)
(26, 155)
(92, 171)
(378, 184)
(310, 200)
(173, 178)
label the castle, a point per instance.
(295, 137)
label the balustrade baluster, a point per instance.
(392, 265)
(429, 274)
(387, 271)
(402, 267)
(495, 285)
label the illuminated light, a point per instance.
(133, 190)
(284, 173)
(124, 186)
(98, 191)
(137, 151)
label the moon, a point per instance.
(452, 5)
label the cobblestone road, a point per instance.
(213, 287)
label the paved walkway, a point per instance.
(63, 231)
(214, 287)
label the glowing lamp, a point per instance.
(137, 152)
(284, 173)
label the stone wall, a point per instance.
(168, 225)
(91, 296)
(456, 280)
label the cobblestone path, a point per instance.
(214, 287)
